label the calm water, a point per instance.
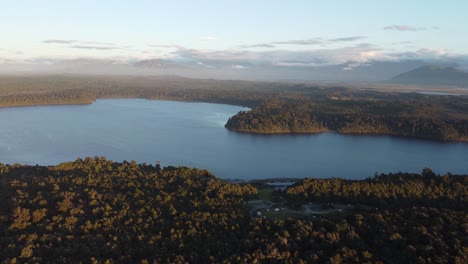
(193, 134)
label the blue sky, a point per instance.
(277, 31)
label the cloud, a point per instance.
(72, 61)
(59, 41)
(361, 55)
(11, 52)
(302, 42)
(90, 45)
(353, 38)
(350, 66)
(261, 45)
(425, 54)
(169, 46)
(66, 41)
(93, 47)
(288, 58)
(238, 67)
(404, 28)
(298, 64)
(42, 60)
(5, 61)
(314, 52)
(305, 42)
(96, 43)
(366, 45)
(314, 41)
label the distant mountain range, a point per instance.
(372, 72)
(433, 75)
(414, 72)
(158, 64)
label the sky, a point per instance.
(286, 33)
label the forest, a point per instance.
(94, 210)
(398, 118)
(77, 89)
(276, 107)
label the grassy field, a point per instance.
(280, 215)
(265, 194)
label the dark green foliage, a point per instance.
(407, 235)
(95, 210)
(400, 218)
(393, 190)
(72, 89)
(400, 118)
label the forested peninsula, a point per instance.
(409, 119)
(276, 107)
(94, 210)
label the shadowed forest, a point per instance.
(399, 118)
(96, 210)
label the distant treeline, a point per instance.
(53, 90)
(94, 210)
(421, 119)
(73, 89)
(277, 107)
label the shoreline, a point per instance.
(286, 133)
(241, 131)
(122, 98)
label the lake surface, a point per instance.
(193, 134)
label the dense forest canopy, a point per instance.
(96, 210)
(393, 190)
(414, 119)
(68, 89)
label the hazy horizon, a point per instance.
(261, 40)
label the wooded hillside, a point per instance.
(97, 211)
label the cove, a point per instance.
(193, 134)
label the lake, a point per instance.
(193, 134)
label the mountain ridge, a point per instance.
(433, 75)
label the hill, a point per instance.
(158, 64)
(433, 75)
